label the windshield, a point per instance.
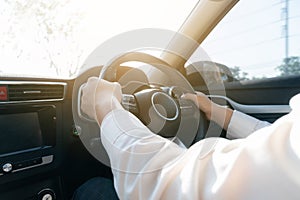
(257, 39)
(53, 38)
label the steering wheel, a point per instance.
(160, 108)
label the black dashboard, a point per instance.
(30, 136)
(40, 154)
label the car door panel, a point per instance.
(265, 99)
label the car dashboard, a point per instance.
(40, 151)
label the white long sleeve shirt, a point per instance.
(262, 165)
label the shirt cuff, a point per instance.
(242, 125)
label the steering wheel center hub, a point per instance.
(165, 106)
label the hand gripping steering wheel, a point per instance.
(159, 108)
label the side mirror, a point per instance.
(204, 73)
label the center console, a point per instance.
(30, 131)
(26, 129)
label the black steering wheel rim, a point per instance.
(109, 70)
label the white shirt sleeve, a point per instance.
(242, 125)
(265, 165)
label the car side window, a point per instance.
(258, 39)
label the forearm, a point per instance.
(242, 125)
(134, 152)
(221, 115)
(237, 124)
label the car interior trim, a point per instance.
(253, 109)
(45, 160)
(37, 83)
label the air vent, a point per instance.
(34, 91)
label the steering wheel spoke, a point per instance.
(129, 103)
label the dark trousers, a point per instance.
(96, 189)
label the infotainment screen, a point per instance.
(20, 131)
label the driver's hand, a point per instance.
(220, 114)
(202, 102)
(99, 97)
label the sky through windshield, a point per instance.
(53, 38)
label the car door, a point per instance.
(265, 99)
